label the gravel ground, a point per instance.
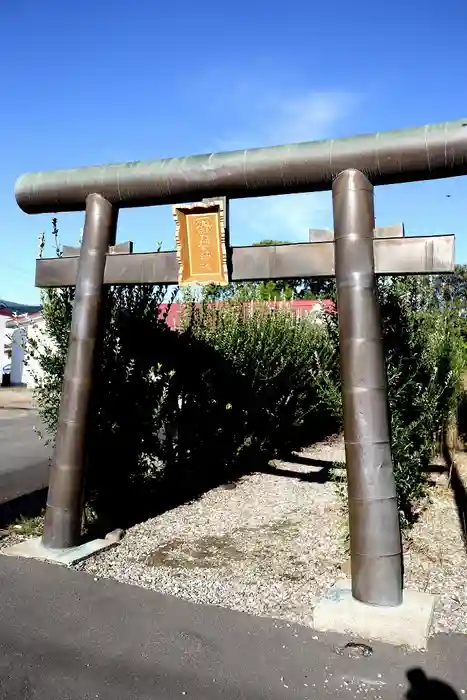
(276, 542)
(435, 556)
(266, 547)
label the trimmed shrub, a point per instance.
(124, 456)
(174, 413)
(424, 358)
(282, 396)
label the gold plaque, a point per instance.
(201, 243)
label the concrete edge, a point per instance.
(406, 625)
(33, 548)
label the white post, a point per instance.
(18, 340)
(3, 339)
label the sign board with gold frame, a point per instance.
(201, 239)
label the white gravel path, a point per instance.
(267, 547)
(276, 542)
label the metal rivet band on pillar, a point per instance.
(65, 498)
(376, 558)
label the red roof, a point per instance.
(300, 307)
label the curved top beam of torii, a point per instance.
(427, 152)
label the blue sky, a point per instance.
(96, 82)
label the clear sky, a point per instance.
(100, 82)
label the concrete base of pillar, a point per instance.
(405, 625)
(34, 549)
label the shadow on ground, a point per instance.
(422, 687)
(458, 489)
(460, 497)
(208, 422)
(30, 506)
(323, 470)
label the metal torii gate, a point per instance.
(351, 167)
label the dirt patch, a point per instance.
(205, 553)
(225, 551)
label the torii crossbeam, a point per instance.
(350, 167)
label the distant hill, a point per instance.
(14, 308)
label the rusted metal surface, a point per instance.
(318, 235)
(69, 251)
(414, 255)
(375, 540)
(393, 256)
(392, 231)
(427, 152)
(64, 503)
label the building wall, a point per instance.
(3, 341)
(24, 368)
(18, 343)
(36, 331)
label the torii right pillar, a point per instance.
(375, 538)
(373, 604)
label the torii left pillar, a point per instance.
(62, 527)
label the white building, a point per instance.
(4, 356)
(18, 333)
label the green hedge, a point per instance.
(283, 394)
(177, 412)
(425, 359)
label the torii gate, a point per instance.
(350, 167)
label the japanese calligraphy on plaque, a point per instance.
(201, 243)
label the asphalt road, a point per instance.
(68, 636)
(24, 459)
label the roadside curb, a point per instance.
(16, 399)
(17, 407)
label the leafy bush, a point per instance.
(282, 395)
(124, 456)
(424, 358)
(178, 412)
(424, 352)
(174, 413)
